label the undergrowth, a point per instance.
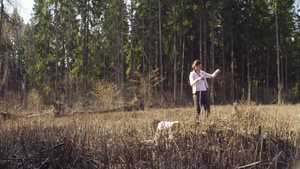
(233, 136)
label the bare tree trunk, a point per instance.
(6, 80)
(205, 45)
(117, 56)
(122, 58)
(56, 62)
(133, 44)
(223, 67)
(87, 46)
(200, 32)
(46, 52)
(243, 73)
(85, 50)
(1, 21)
(212, 52)
(46, 45)
(297, 74)
(286, 77)
(277, 49)
(150, 54)
(68, 59)
(86, 32)
(19, 59)
(232, 67)
(2, 74)
(13, 76)
(160, 55)
(175, 61)
(157, 52)
(133, 40)
(143, 46)
(182, 66)
(248, 70)
(24, 90)
(32, 57)
(267, 80)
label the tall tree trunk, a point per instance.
(297, 75)
(281, 73)
(277, 49)
(133, 41)
(24, 90)
(182, 65)
(143, 48)
(56, 62)
(160, 55)
(133, 44)
(223, 67)
(1, 21)
(6, 80)
(122, 58)
(243, 72)
(267, 79)
(232, 67)
(175, 61)
(117, 55)
(87, 46)
(85, 50)
(212, 53)
(32, 57)
(19, 59)
(2, 73)
(150, 54)
(157, 52)
(46, 44)
(248, 71)
(46, 51)
(68, 58)
(205, 44)
(200, 32)
(14, 75)
(286, 77)
(259, 84)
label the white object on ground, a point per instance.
(165, 124)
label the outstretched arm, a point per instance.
(211, 76)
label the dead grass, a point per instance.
(233, 136)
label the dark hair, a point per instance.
(196, 63)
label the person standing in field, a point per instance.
(200, 86)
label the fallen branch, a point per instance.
(15, 159)
(249, 165)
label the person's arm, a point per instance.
(194, 80)
(211, 76)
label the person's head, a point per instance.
(197, 64)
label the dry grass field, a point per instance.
(233, 136)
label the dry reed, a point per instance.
(233, 136)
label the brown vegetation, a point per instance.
(238, 136)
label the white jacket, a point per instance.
(200, 85)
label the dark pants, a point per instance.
(201, 98)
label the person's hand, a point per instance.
(218, 70)
(200, 78)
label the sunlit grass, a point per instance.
(232, 136)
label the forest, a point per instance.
(78, 51)
(84, 81)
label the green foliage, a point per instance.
(121, 44)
